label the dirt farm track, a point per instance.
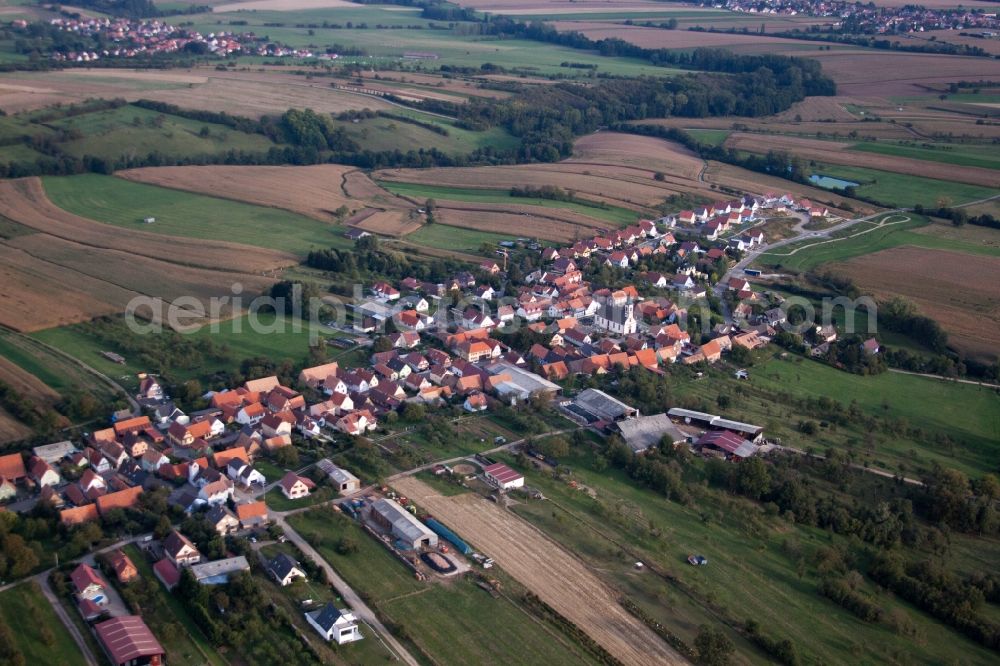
(548, 570)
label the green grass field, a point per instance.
(55, 371)
(124, 203)
(752, 572)
(901, 190)
(458, 44)
(276, 339)
(444, 237)
(388, 134)
(713, 137)
(455, 622)
(960, 154)
(960, 423)
(26, 611)
(133, 131)
(808, 254)
(621, 216)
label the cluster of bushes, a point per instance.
(841, 593)
(941, 594)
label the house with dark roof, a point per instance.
(284, 569)
(179, 550)
(334, 624)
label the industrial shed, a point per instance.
(503, 477)
(603, 407)
(751, 432)
(402, 525)
(645, 432)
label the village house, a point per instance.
(295, 487)
(222, 519)
(333, 623)
(179, 550)
(285, 570)
(252, 514)
(125, 570)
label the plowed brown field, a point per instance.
(548, 570)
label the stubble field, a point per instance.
(548, 570)
(960, 291)
(67, 268)
(840, 153)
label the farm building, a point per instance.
(129, 642)
(646, 432)
(345, 482)
(727, 444)
(503, 477)
(53, 453)
(515, 384)
(714, 422)
(603, 407)
(407, 530)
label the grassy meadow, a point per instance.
(961, 430)
(760, 568)
(905, 191)
(445, 237)
(808, 254)
(125, 203)
(960, 154)
(38, 633)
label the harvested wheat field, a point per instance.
(898, 73)
(37, 294)
(12, 430)
(73, 269)
(357, 185)
(617, 186)
(279, 5)
(529, 7)
(960, 291)
(640, 152)
(515, 224)
(782, 124)
(25, 383)
(394, 223)
(314, 191)
(26, 91)
(255, 94)
(548, 570)
(24, 201)
(655, 38)
(833, 152)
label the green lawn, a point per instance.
(37, 631)
(713, 137)
(960, 154)
(184, 641)
(752, 571)
(807, 254)
(621, 216)
(388, 134)
(124, 203)
(445, 237)
(276, 500)
(901, 190)
(455, 623)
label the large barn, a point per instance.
(406, 529)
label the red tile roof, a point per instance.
(12, 467)
(123, 499)
(84, 576)
(251, 510)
